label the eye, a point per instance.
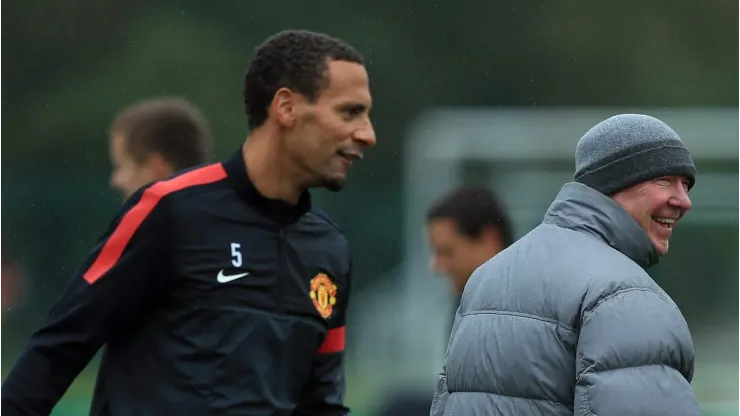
(663, 181)
(351, 111)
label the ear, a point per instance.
(492, 238)
(159, 167)
(283, 107)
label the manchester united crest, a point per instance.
(323, 293)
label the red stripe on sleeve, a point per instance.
(334, 341)
(113, 248)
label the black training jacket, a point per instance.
(210, 300)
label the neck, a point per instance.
(270, 174)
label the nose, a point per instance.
(681, 200)
(366, 135)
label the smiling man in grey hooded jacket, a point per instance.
(567, 321)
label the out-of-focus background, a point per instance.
(482, 92)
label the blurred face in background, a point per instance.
(130, 174)
(657, 206)
(457, 255)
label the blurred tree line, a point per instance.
(70, 65)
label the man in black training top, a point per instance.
(224, 289)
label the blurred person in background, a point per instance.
(14, 282)
(465, 227)
(152, 139)
(224, 289)
(567, 320)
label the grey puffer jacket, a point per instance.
(567, 322)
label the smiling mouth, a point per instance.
(664, 222)
(350, 156)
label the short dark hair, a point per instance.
(295, 59)
(472, 209)
(170, 126)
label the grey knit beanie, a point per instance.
(627, 149)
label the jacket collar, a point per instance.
(279, 211)
(583, 209)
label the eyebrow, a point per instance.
(359, 107)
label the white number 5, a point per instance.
(236, 254)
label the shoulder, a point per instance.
(190, 181)
(618, 283)
(319, 216)
(586, 261)
(318, 221)
(184, 191)
(153, 208)
(148, 211)
(197, 180)
(542, 260)
(610, 274)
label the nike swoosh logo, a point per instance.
(222, 278)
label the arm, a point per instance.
(116, 284)
(634, 356)
(324, 393)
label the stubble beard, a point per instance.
(333, 184)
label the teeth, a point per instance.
(665, 220)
